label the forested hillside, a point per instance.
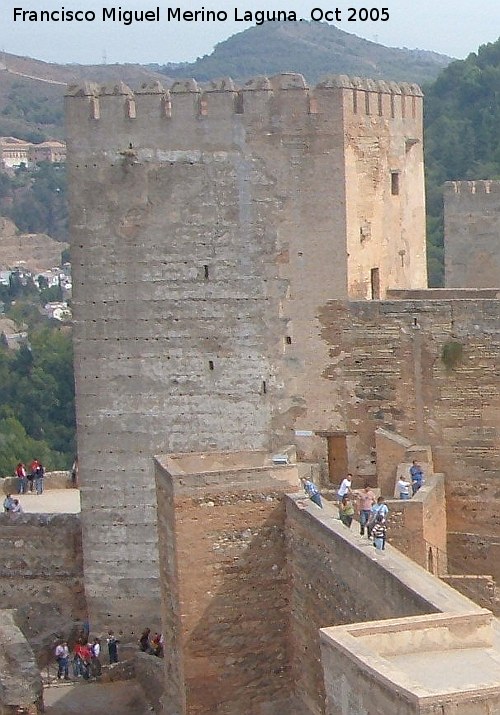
(314, 49)
(462, 135)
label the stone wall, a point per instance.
(338, 578)
(424, 665)
(386, 361)
(42, 576)
(226, 589)
(471, 229)
(207, 227)
(417, 527)
(20, 681)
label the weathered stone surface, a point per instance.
(386, 362)
(226, 585)
(206, 231)
(42, 576)
(20, 681)
(472, 225)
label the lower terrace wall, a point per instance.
(41, 575)
(386, 364)
(226, 589)
(417, 527)
(338, 578)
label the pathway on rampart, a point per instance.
(52, 501)
(120, 698)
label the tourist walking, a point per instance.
(345, 487)
(346, 511)
(417, 476)
(366, 499)
(380, 508)
(312, 491)
(379, 531)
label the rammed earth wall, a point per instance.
(207, 227)
(388, 362)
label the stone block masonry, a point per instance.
(471, 228)
(41, 575)
(387, 361)
(207, 226)
(226, 584)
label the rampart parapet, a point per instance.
(285, 94)
(480, 187)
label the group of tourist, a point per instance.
(12, 505)
(372, 511)
(85, 657)
(151, 643)
(30, 479)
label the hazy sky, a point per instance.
(452, 27)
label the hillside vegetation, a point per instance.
(314, 49)
(462, 135)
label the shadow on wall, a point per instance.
(237, 651)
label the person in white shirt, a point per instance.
(95, 662)
(403, 488)
(345, 487)
(62, 657)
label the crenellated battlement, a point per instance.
(481, 187)
(287, 94)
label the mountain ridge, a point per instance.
(315, 49)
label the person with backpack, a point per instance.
(378, 509)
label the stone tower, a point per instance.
(471, 234)
(207, 227)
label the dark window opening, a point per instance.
(205, 272)
(210, 364)
(288, 340)
(375, 283)
(238, 103)
(395, 183)
(264, 387)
